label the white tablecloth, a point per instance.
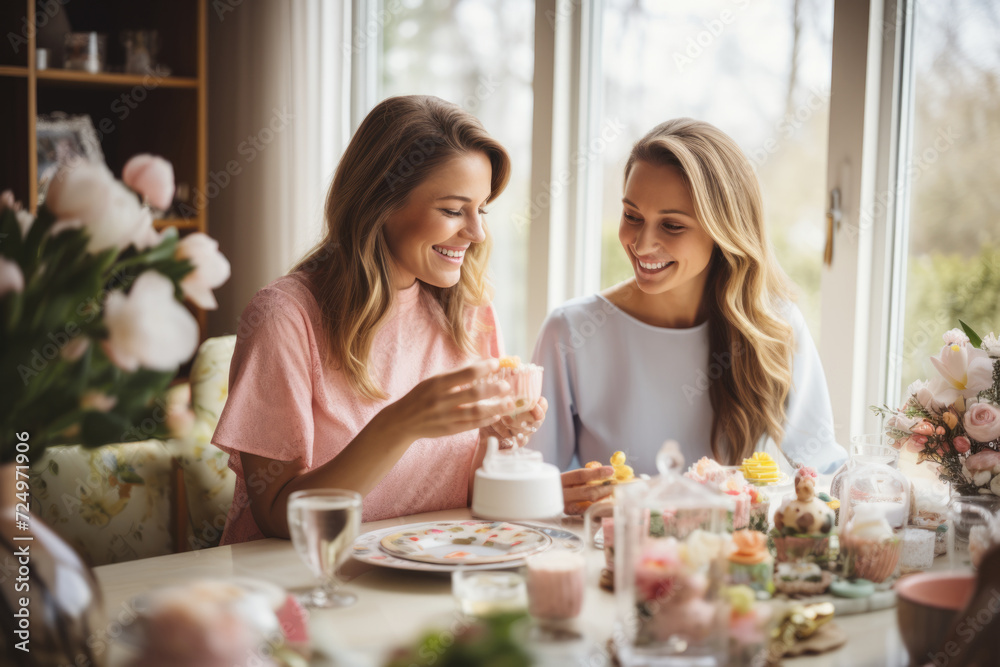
(394, 606)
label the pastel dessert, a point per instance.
(731, 482)
(750, 563)
(871, 549)
(525, 382)
(802, 525)
(761, 469)
(623, 472)
(736, 487)
(801, 578)
(706, 470)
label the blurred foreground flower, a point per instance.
(92, 321)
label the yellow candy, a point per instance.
(623, 473)
(761, 468)
(618, 458)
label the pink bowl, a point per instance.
(926, 607)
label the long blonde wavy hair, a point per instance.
(400, 142)
(745, 289)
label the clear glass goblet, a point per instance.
(323, 524)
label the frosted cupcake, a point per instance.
(801, 579)
(525, 382)
(736, 487)
(762, 470)
(802, 525)
(705, 471)
(871, 549)
(750, 564)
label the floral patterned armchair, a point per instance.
(141, 499)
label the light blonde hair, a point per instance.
(746, 287)
(400, 142)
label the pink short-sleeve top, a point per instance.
(286, 404)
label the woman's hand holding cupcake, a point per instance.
(452, 402)
(519, 427)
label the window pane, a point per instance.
(953, 263)
(758, 71)
(480, 55)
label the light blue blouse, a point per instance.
(616, 383)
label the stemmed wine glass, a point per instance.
(323, 524)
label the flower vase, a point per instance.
(51, 604)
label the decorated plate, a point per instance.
(465, 542)
(367, 549)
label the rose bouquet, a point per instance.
(953, 420)
(92, 321)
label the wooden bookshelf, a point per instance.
(133, 113)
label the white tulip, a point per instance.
(83, 194)
(211, 269)
(964, 368)
(148, 327)
(11, 278)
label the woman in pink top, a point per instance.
(353, 371)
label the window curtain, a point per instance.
(279, 91)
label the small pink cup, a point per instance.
(555, 585)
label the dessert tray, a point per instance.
(370, 548)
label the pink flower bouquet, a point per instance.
(953, 420)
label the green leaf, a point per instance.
(10, 234)
(974, 338)
(129, 476)
(36, 235)
(102, 428)
(55, 467)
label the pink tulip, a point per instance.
(961, 444)
(923, 428)
(152, 177)
(982, 422)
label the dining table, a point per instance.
(396, 607)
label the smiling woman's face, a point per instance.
(664, 241)
(441, 219)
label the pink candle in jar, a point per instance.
(555, 585)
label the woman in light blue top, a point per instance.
(702, 345)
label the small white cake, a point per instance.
(516, 485)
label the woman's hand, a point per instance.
(578, 495)
(515, 430)
(447, 404)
